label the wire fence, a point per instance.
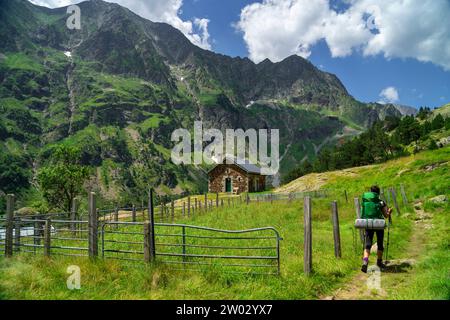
(287, 196)
(50, 237)
(122, 240)
(188, 247)
(28, 235)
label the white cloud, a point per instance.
(389, 95)
(418, 29)
(275, 29)
(53, 3)
(167, 11)
(203, 39)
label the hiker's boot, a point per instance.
(380, 264)
(365, 264)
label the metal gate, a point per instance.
(181, 246)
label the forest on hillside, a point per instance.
(385, 140)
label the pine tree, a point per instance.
(438, 122)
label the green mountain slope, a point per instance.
(444, 110)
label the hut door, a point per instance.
(228, 185)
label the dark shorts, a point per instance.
(369, 239)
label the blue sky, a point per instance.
(382, 50)
(418, 83)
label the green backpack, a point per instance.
(371, 206)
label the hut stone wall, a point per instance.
(219, 174)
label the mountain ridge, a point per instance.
(130, 82)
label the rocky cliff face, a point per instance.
(119, 86)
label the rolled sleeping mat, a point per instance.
(371, 224)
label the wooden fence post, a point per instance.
(247, 199)
(346, 196)
(307, 236)
(221, 202)
(217, 200)
(47, 237)
(10, 203)
(184, 209)
(394, 198)
(93, 226)
(336, 232)
(17, 235)
(404, 198)
(133, 213)
(166, 211)
(196, 204)
(152, 226)
(147, 242)
(116, 216)
(382, 195)
(36, 233)
(172, 209)
(189, 207)
(73, 214)
(358, 216)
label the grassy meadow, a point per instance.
(35, 277)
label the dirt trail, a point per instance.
(397, 270)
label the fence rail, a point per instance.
(287, 196)
(182, 244)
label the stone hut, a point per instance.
(236, 178)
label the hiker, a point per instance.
(374, 208)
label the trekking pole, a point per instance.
(364, 241)
(389, 229)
